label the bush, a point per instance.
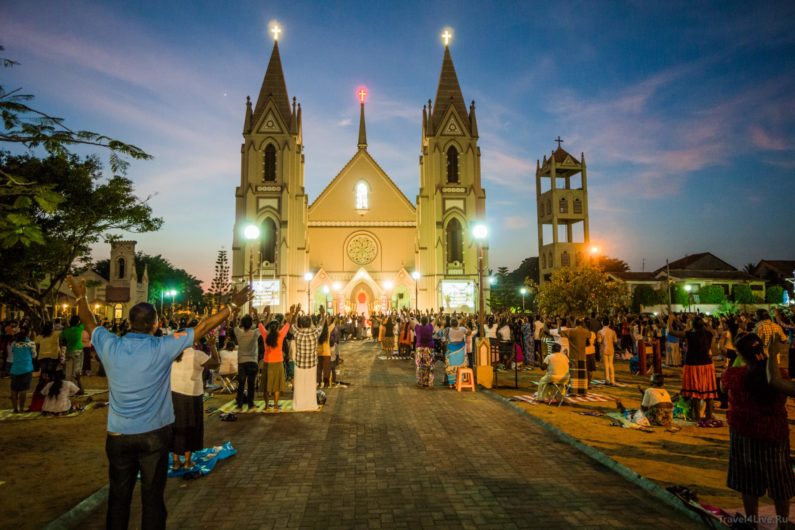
(743, 294)
(645, 295)
(775, 295)
(711, 294)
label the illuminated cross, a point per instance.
(446, 36)
(276, 30)
(362, 94)
(559, 140)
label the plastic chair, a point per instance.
(465, 378)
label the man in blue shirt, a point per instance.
(138, 366)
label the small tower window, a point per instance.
(543, 261)
(121, 266)
(269, 165)
(268, 241)
(455, 246)
(362, 199)
(564, 205)
(549, 207)
(565, 260)
(577, 206)
(452, 164)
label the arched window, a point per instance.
(362, 191)
(269, 165)
(564, 205)
(577, 206)
(452, 164)
(565, 260)
(543, 261)
(455, 244)
(120, 268)
(268, 241)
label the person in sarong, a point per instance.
(423, 333)
(455, 354)
(577, 338)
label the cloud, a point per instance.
(515, 222)
(764, 140)
(507, 170)
(345, 122)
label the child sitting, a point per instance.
(57, 394)
(657, 404)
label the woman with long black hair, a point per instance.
(57, 393)
(273, 335)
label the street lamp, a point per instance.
(480, 232)
(251, 233)
(688, 288)
(523, 290)
(416, 276)
(308, 277)
(326, 291)
(172, 293)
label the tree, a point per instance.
(613, 264)
(92, 207)
(711, 294)
(774, 294)
(503, 292)
(528, 269)
(680, 295)
(31, 128)
(743, 294)
(645, 296)
(221, 284)
(578, 292)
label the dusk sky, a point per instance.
(685, 111)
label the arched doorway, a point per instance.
(362, 299)
(401, 298)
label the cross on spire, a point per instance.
(446, 36)
(276, 30)
(559, 140)
(362, 93)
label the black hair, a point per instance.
(246, 322)
(323, 334)
(75, 320)
(58, 377)
(46, 329)
(752, 351)
(305, 322)
(424, 320)
(142, 318)
(272, 339)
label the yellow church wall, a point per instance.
(327, 250)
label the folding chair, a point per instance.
(228, 371)
(561, 391)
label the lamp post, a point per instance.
(416, 276)
(523, 290)
(251, 233)
(688, 288)
(308, 277)
(326, 291)
(172, 293)
(480, 232)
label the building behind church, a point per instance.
(359, 245)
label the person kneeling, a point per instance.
(557, 366)
(57, 393)
(657, 405)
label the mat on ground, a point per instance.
(204, 461)
(259, 407)
(587, 398)
(8, 414)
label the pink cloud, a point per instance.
(764, 140)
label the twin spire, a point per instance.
(448, 94)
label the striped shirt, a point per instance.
(306, 346)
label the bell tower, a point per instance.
(562, 210)
(271, 194)
(451, 199)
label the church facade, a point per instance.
(361, 245)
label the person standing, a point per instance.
(48, 345)
(698, 377)
(326, 325)
(73, 337)
(759, 449)
(141, 412)
(304, 382)
(423, 333)
(577, 337)
(273, 361)
(246, 337)
(607, 341)
(455, 356)
(24, 351)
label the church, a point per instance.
(361, 245)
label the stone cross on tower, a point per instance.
(559, 140)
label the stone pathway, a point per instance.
(386, 454)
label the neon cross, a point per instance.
(446, 36)
(362, 94)
(276, 30)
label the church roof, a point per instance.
(274, 87)
(560, 155)
(702, 261)
(448, 94)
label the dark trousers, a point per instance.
(323, 370)
(246, 378)
(127, 455)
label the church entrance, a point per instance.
(361, 300)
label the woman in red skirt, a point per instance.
(698, 376)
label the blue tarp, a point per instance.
(204, 461)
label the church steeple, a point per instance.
(448, 93)
(362, 129)
(274, 87)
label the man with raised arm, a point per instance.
(138, 367)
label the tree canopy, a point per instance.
(579, 291)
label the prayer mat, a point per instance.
(395, 358)
(587, 398)
(94, 391)
(259, 407)
(204, 461)
(600, 382)
(8, 414)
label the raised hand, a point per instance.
(78, 287)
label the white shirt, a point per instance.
(457, 334)
(186, 375)
(505, 333)
(61, 402)
(491, 331)
(557, 365)
(654, 396)
(537, 327)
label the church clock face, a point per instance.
(362, 250)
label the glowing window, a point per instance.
(362, 191)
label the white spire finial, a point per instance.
(276, 30)
(447, 36)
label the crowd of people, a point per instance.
(724, 359)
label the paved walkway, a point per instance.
(386, 454)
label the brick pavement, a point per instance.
(386, 454)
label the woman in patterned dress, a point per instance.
(424, 356)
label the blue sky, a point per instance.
(684, 112)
